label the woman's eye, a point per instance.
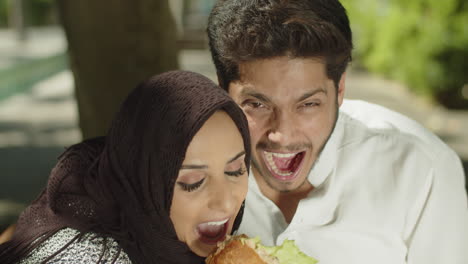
(236, 173)
(191, 187)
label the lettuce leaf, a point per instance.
(287, 253)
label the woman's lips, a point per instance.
(212, 232)
(283, 166)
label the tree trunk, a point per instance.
(17, 18)
(114, 45)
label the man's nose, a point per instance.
(282, 128)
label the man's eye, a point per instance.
(236, 173)
(254, 105)
(191, 187)
(310, 104)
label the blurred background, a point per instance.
(66, 65)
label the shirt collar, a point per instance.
(327, 159)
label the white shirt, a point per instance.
(386, 191)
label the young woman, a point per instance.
(166, 183)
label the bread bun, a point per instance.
(244, 250)
(234, 251)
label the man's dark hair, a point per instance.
(245, 30)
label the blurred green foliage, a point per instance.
(3, 13)
(36, 12)
(41, 12)
(423, 43)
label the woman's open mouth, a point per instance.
(213, 232)
(284, 166)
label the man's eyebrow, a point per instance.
(311, 93)
(193, 167)
(259, 96)
(236, 157)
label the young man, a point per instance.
(351, 182)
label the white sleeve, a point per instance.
(441, 232)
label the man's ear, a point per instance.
(219, 79)
(341, 89)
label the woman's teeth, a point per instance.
(222, 222)
(212, 232)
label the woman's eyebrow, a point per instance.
(193, 167)
(236, 157)
(199, 167)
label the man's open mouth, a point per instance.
(284, 166)
(213, 232)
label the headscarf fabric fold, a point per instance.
(121, 185)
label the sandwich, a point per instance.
(242, 249)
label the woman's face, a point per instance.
(211, 185)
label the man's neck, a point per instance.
(287, 202)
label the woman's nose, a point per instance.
(221, 197)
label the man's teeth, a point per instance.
(269, 157)
(277, 171)
(222, 222)
(280, 155)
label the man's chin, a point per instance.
(281, 185)
(285, 186)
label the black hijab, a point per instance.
(121, 186)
